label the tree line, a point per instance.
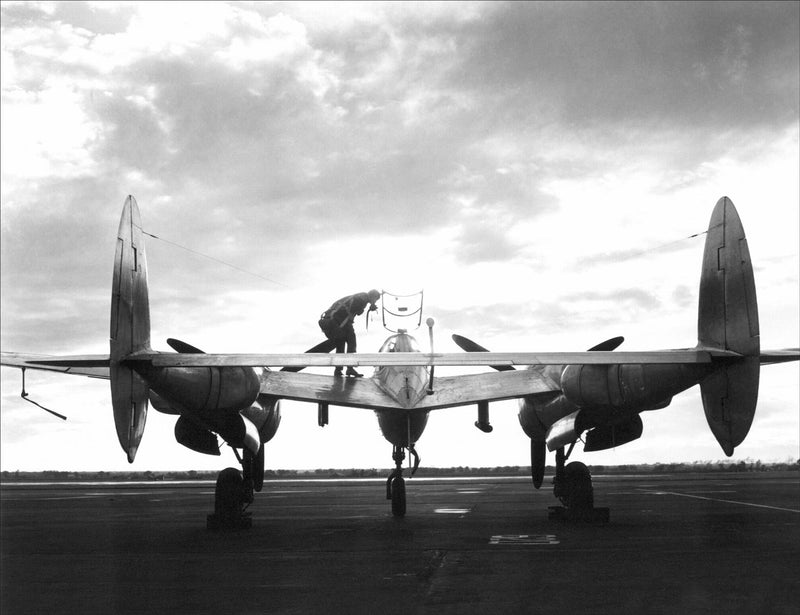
(747, 465)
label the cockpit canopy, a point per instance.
(402, 342)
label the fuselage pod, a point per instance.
(406, 385)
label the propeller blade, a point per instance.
(608, 345)
(183, 347)
(469, 346)
(325, 346)
(538, 457)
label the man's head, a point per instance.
(373, 295)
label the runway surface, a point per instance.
(706, 543)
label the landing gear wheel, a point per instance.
(398, 488)
(578, 492)
(229, 502)
(396, 484)
(573, 486)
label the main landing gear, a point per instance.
(235, 491)
(572, 485)
(396, 484)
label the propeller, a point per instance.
(325, 346)
(182, 347)
(468, 345)
(608, 345)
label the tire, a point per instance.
(398, 496)
(579, 492)
(228, 493)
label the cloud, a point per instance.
(696, 66)
(503, 155)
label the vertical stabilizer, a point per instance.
(728, 320)
(130, 329)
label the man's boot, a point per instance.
(352, 372)
(337, 371)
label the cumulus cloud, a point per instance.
(506, 154)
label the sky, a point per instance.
(537, 168)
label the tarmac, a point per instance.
(696, 543)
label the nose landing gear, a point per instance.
(396, 484)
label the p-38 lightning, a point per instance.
(595, 396)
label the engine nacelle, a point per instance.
(204, 390)
(265, 414)
(611, 436)
(161, 404)
(239, 431)
(627, 387)
(564, 432)
(537, 413)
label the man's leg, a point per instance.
(340, 344)
(350, 336)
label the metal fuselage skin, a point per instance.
(406, 385)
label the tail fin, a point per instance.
(728, 320)
(130, 329)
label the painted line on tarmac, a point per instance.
(525, 539)
(700, 497)
(713, 491)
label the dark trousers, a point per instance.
(339, 337)
(346, 337)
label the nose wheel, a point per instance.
(397, 494)
(396, 484)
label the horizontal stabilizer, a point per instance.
(473, 359)
(779, 356)
(93, 368)
(84, 360)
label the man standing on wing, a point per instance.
(337, 322)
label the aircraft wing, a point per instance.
(365, 393)
(452, 391)
(352, 392)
